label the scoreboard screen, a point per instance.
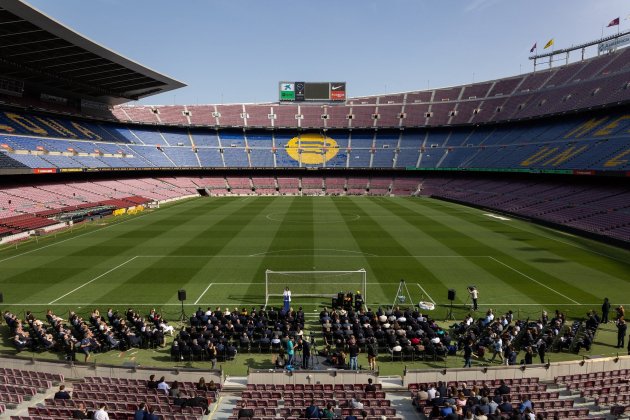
(310, 91)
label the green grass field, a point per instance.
(218, 249)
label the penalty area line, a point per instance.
(425, 292)
(93, 280)
(535, 281)
(201, 295)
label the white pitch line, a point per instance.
(269, 253)
(311, 255)
(533, 232)
(534, 280)
(94, 279)
(425, 292)
(204, 292)
(568, 243)
(83, 234)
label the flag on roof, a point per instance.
(613, 22)
(534, 47)
(549, 44)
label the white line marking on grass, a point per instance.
(313, 249)
(568, 243)
(268, 254)
(201, 295)
(425, 292)
(497, 217)
(94, 279)
(83, 234)
(532, 224)
(534, 280)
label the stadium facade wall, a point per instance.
(80, 371)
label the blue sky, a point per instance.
(238, 50)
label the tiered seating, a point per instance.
(560, 144)
(239, 185)
(405, 186)
(312, 185)
(288, 185)
(290, 401)
(264, 185)
(17, 386)
(25, 222)
(590, 208)
(335, 186)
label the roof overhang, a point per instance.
(38, 50)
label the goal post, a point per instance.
(314, 283)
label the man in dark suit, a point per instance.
(245, 413)
(62, 394)
(306, 352)
(622, 327)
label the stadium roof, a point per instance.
(42, 52)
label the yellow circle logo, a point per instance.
(314, 148)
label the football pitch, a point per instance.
(217, 249)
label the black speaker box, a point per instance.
(181, 295)
(451, 294)
(1, 298)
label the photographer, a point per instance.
(474, 295)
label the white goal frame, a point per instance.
(334, 286)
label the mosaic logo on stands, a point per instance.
(313, 148)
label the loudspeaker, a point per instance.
(451, 294)
(181, 295)
(1, 298)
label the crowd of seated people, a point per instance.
(76, 335)
(437, 400)
(502, 337)
(219, 334)
(396, 330)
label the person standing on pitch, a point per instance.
(306, 351)
(474, 295)
(621, 332)
(290, 352)
(286, 296)
(605, 310)
(468, 354)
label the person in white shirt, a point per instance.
(163, 385)
(101, 413)
(432, 392)
(356, 404)
(474, 294)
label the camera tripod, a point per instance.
(402, 294)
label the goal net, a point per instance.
(314, 283)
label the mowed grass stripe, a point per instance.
(256, 238)
(131, 281)
(295, 232)
(210, 237)
(457, 272)
(75, 262)
(561, 257)
(465, 237)
(332, 237)
(373, 239)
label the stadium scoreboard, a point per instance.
(312, 91)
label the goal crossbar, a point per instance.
(322, 283)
